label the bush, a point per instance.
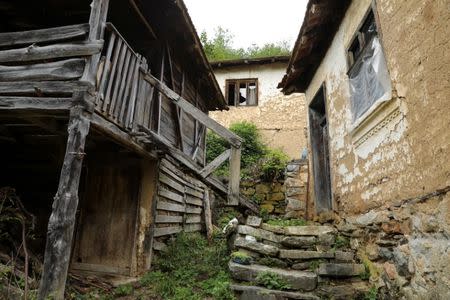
(257, 160)
(272, 281)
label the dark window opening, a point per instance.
(242, 92)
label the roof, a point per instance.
(249, 61)
(322, 20)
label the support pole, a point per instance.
(62, 220)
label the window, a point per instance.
(242, 92)
(369, 78)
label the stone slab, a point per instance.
(258, 233)
(298, 241)
(344, 256)
(253, 221)
(298, 280)
(256, 247)
(340, 270)
(354, 290)
(305, 254)
(273, 228)
(309, 230)
(250, 292)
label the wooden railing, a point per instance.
(125, 96)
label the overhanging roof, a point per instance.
(249, 61)
(322, 20)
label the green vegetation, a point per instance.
(314, 264)
(191, 269)
(372, 294)
(241, 258)
(220, 47)
(257, 160)
(272, 281)
(366, 274)
(123, 290)
(341, 242)
(287, 222)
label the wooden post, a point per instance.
(62, 220)
(208, 217)
(235, 176)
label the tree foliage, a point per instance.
(220, 47)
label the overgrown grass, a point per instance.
(190, 269)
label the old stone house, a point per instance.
(250, 89)
(376, 79)
(106, 104)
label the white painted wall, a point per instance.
(268, 75)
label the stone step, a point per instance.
(261, 248)
(305, 254)
(351, 290)
(250, 292)
(258, 233)
(298, 280)
(340, 270)
(307, 230)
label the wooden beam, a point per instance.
(43, 35)
(62, 220)
(143, 19)
(212, 166)
(47, 87)
(208, 215)
(203, 118)
(161, 231)
(35, 103)
(235, 176)
(59, 70)
(34, 52)
(168, 219)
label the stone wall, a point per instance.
(284, 197)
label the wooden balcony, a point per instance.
(46, 70)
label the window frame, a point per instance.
(237, 83)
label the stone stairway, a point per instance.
(307, 262)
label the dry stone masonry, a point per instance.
(311, 260)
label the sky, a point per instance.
(249, 21)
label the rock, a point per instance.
(247, 183)
(248, 191)
(295, 214)
(276, 197)
(253, 221)
(340, 270)
(390, 270)
(344, 256)
(256, 247)
(258, 233)
(301, 266)
(262, 188)
(294, 182)
(355, 290)
(259, 197)
(326, 239)
(304, 254)
(273, 228)
(309, 230)
(250, 253)
(250, 238)
(294, 204)
(298, 280)
(298, 241)
(267, 206)
(230, 227)
(259, 293)
(294, 191)
(277, 187)
(370, 218)
(372, 251)
(292, 167)
(273, 262)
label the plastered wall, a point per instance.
(401, 151)
(281, 119)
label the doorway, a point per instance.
(320, 152)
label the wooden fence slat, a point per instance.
(59, 70)
(193, 219)
(208, 216)
(117, 51)
(121, 100)
(166, 231)
(53, 51)
(194, 201)
(194, 192)
(118, 79)
(43, 35)
(170, 182)
(170, 206)
(133, 96)
(235, 176)
(170, 195)
(192, 227)
(126, 102)
(168, 219)
(106, 68)
(193, 210)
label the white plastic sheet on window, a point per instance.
(369, 80)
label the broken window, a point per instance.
(242, 92)
(369, 78)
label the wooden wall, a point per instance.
(179, 204)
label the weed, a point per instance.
(341, 242)
(123, 290)
(272, 281)
(372, 294)
(241, 258)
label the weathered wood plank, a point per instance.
(170, 182)
(194, 201)
(106, 69)
(121, 100)
(43, 35)
(126, 96)
(212, 166)
(192, 227)
(35, 103)
(124, 54)
(208, 216)
(193, 219)
(203, 118)
(170, 206)
(193, 192)
(161, 231)
(193, 210)
(99, 268)
(235, 176)
(170, 195)
(53, 51)
(117, 51)
(59, 70)
(172, 172)
(168, 219)
(48, 87)
(129, 118)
